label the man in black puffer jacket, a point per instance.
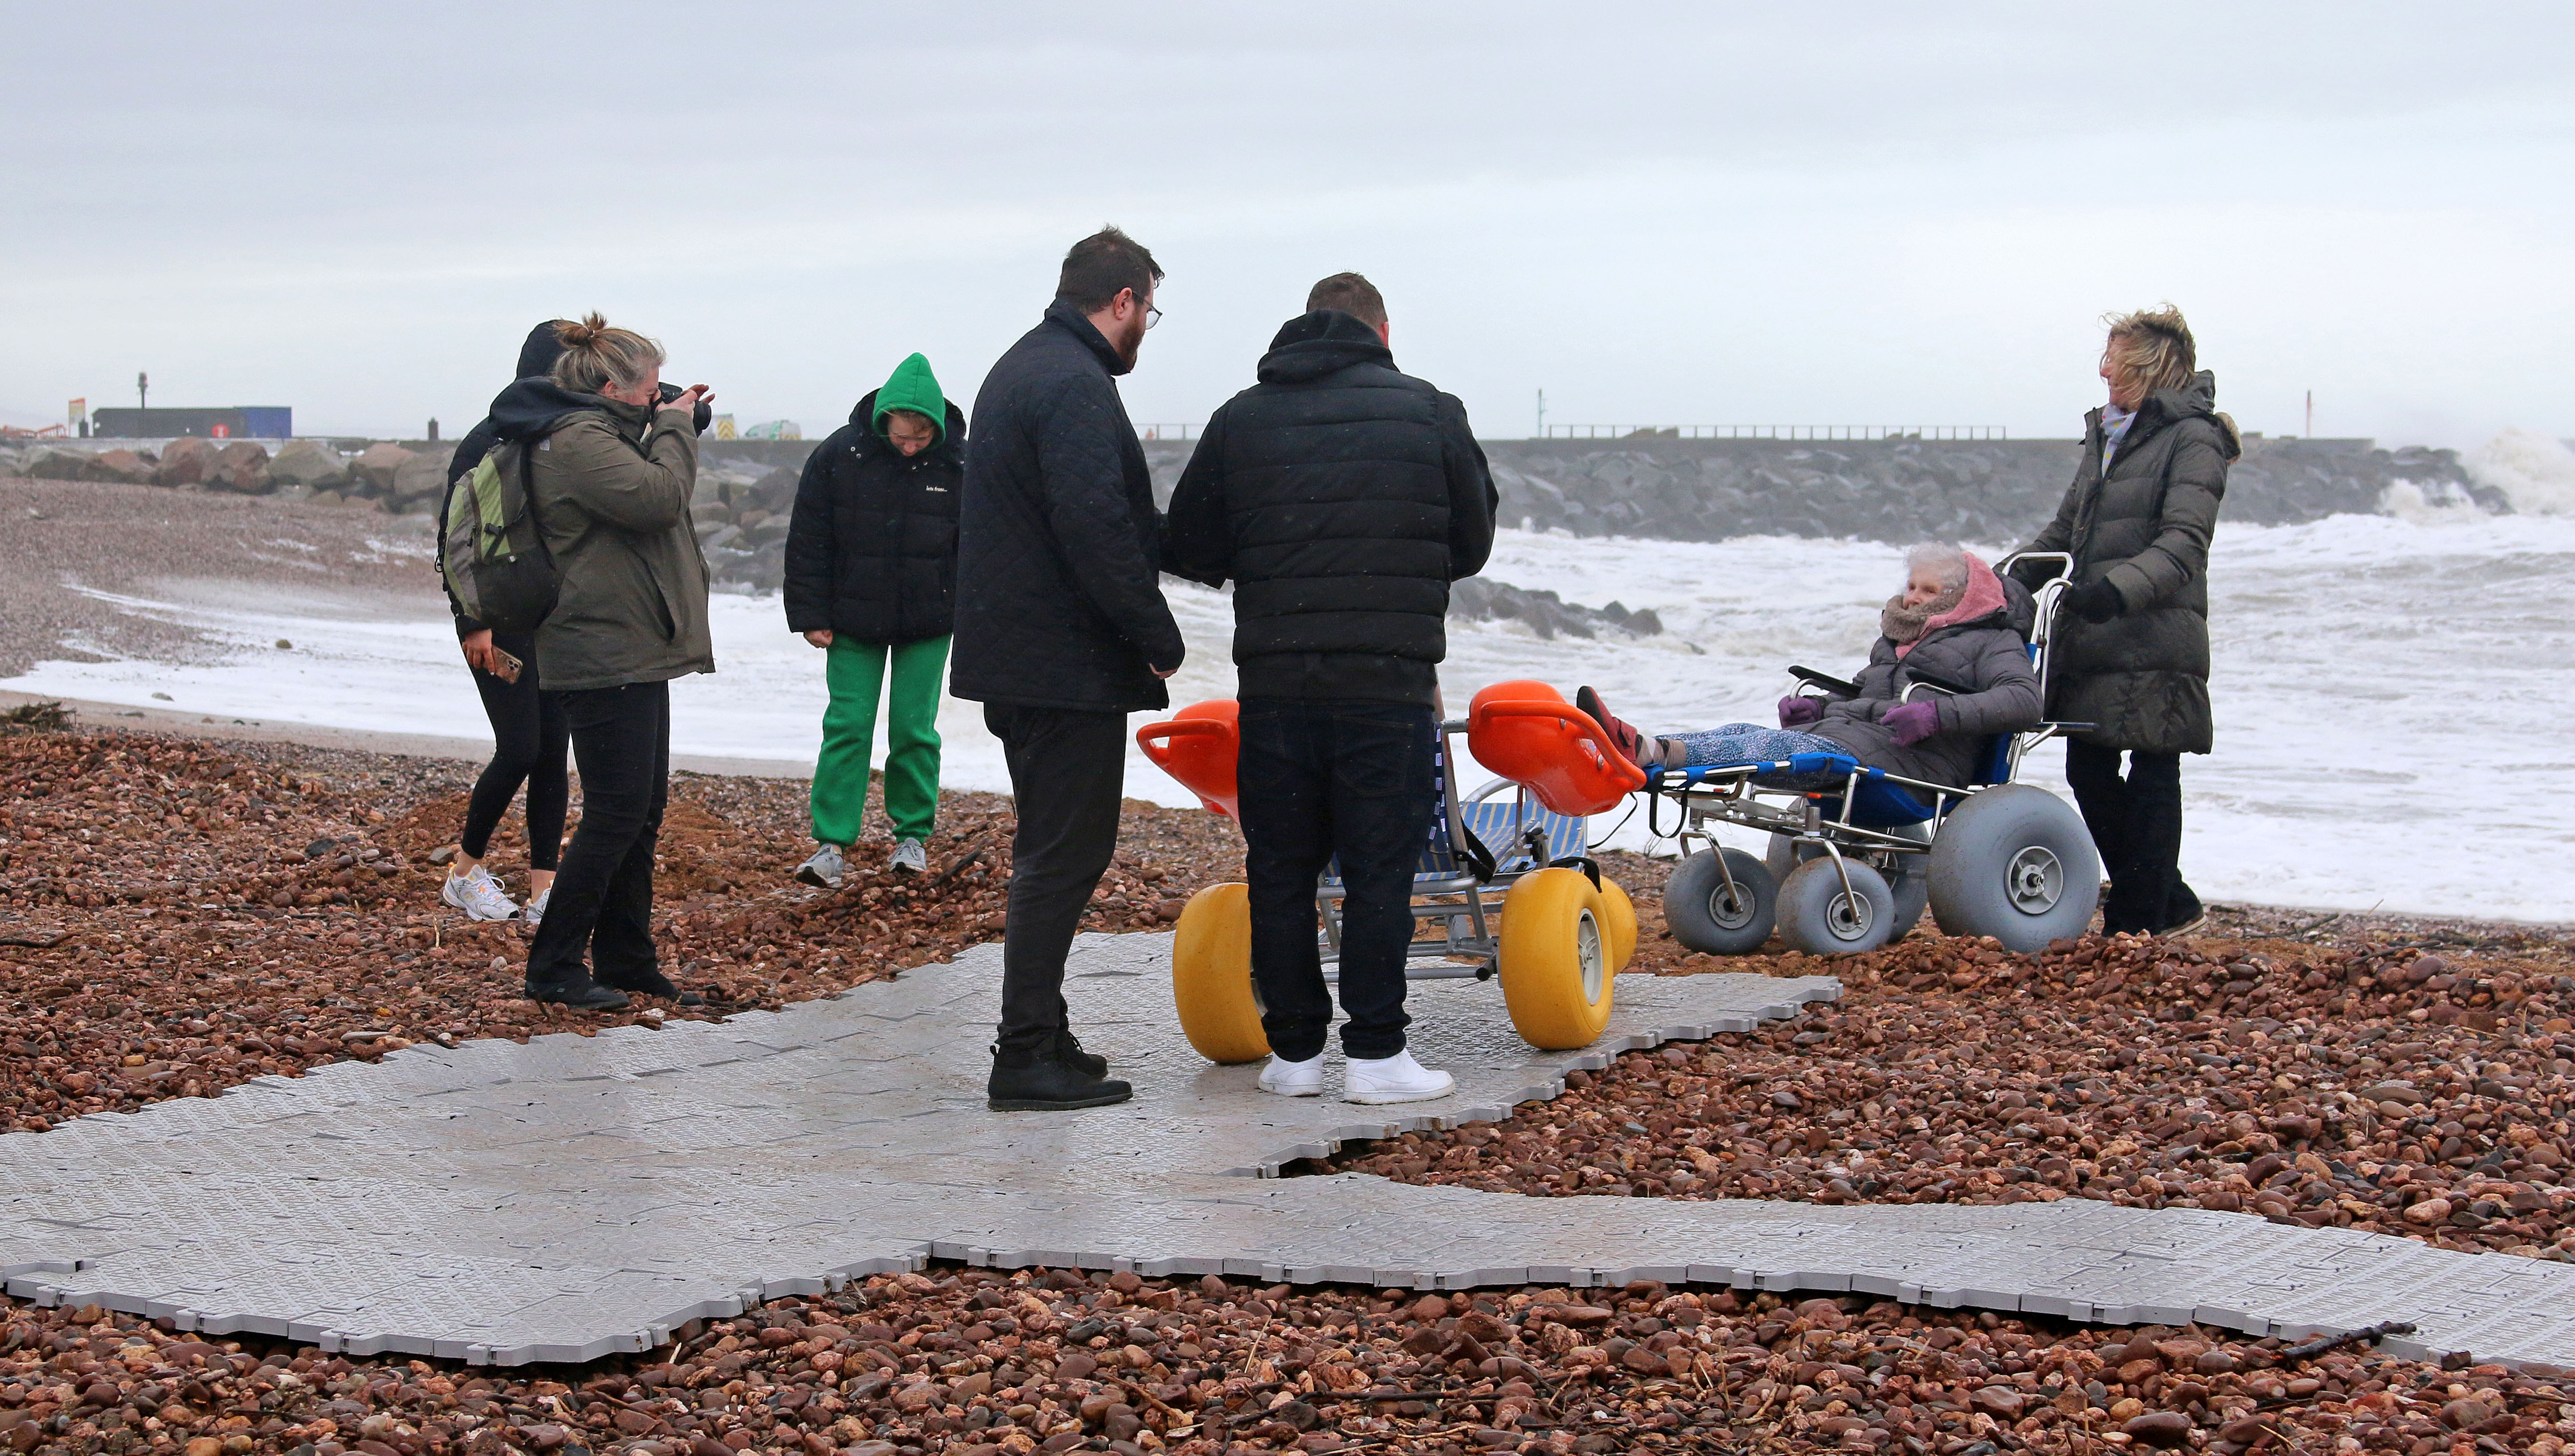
(872, 579)
(1342, 498)
(1061, 632)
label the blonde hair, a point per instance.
(2152, 346)
(596, 356)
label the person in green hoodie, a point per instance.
(872, 578)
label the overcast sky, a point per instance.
(1670, 214)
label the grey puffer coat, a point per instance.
(2142, 676)
(1989, 655)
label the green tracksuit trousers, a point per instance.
(855, 675)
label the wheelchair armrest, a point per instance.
(1946, 685)
(1830, 684)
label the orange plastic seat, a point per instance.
(1199, 747)
(1526, 732)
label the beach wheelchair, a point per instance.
(1506, 887)
(1851, 866)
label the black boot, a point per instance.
(2182, 911)
(1068, 1050)
(583, 994)
(1038, 1082)
(651, 982)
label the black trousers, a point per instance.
(1321, 780)
(2136, 824)
(1068, 770)
(603, 898)
(529, 735)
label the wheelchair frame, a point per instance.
(1470, 945)
(1726, 795)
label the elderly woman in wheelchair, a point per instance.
(1878, 773)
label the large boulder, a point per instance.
(310, 464)
(120, 467)
(374, 468)
(56, 464)
(242, 468)
(187, 462)
(417, 483)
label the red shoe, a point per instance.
(1629, 741)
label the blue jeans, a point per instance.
(1321, 779)
(1750, 742)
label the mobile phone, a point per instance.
(505, 666)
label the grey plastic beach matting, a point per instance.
(579, 1197)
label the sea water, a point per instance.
(2395, 705)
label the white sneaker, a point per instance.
(821, 869)
(479, 896)
(1397, 1078)
(910, 857)
(1294, 1078)
(534, 912)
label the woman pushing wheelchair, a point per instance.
(1957, 629)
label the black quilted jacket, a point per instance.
(1059, 584)
(872, 549)
(1342, 498)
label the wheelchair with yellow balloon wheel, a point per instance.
(1505, 889)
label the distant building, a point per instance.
(242, 422)
(774, 430)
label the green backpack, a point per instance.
(492, 557)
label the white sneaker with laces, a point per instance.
(1397, 1078)
(910, 857)
(1294, 1078)
(479, 896)
(534, 912)
(821, 869)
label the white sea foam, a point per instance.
(2535, 473)
(2393, 696)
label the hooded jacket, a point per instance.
(872, 545)
(2142, 677)
(1340, 496)
(1058, 588)
(610, 484)
(535, 357)
(1987, 653)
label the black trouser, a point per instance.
(603, 899)
(529, 734)
(2136, 824)
(1068, 769)
(1319, 781)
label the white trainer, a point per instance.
(910, 857)
(1294, 1078)
(534, 912)
(479, 896)
(1397, 1078)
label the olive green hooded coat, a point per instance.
(612, 486)
(2142, 676)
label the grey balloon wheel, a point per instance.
(1786, 855)
(1909, 880)
(2014, 862)
(1705, 913)
(1819, 916)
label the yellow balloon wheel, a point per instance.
(1619, 920)
(1211, 977)
(1556, 969)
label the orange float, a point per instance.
(1199, 747)
(1526, 732)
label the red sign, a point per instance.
(220, 431)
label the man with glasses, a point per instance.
(1061, 632)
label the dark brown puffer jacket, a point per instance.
(2142, 676)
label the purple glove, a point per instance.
(1911, 723)
(1796, 711)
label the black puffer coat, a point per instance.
(2142, 676)
(1058, 582)
(1342, 498)
(872, 546)
(1989, 657)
